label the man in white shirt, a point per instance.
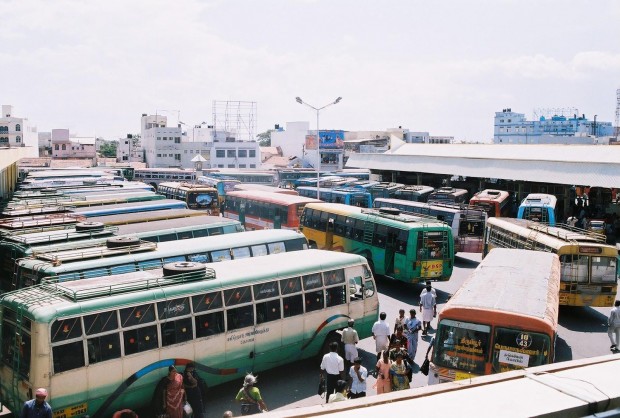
(349, 339)
(357, 376)
(433, 291)
(332, 368)
(381, 334)
(428, 307)
(613, 324)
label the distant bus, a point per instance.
(325, 181)
(385, 190)
(448, 195)
(196, 196)
(167, 174)
(407, 248)
(493, 202)
(82, 187)
(467, 224)
(255, 177)
(20, 222)
(414, 193)
(102, 345)
(504, 317)
(264, 188)
(140, 217)
(589, 265)
(353, 173)
(538, 207)
(26, 211)
(87, 199)
(287, 178)
(264, 210)
(222, 185)
(130, 207)
(348, 196)
(122, 255)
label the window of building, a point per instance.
(252, 165)
(64, 147)
(252, 153)
(241, 165)
(243, 153)
(231, 153)
(159, 138)
(18, 127)
(18, 139)
(177, 140)
(220, 166)
(165, 138)
(159, 155)
(231, 166)
(220, 153)
(56, 147)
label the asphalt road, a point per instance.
(582, 333)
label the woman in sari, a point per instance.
(174, 395)
(384, 384)
(398, 373)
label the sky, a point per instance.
(442, 67)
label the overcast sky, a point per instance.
(439, 66)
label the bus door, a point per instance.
(329, 232)
(390, 250)
(362, 299)
(267, 333)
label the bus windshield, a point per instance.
(516, 349)
(464, 346)
(202, 199)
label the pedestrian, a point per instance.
(613, 326)
(195, 389)
(426, 285)
(340, 394)
(413, 326)
(397, 350)
(433, 372)
(428, 307)
(384, 384)
(400, 320)
(358, 375)
(37, 407)
(400, 336)
(332, 368)
(398, 373)
(174, 394)
(125, 413)
(381, 334)
(350, 339)
(250, 398)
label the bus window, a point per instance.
(173, 308)
(184, 235)
(314, 300)
(65, 276)
(199, 233)
(209, 324)
(292, 305)
(296, 244)
(266, 290)
(68, 356)
(105, 347)
(333, 277)
(259, 250)
(267, 311)
(220, 255)
(149, 264)
(174, 259)
(462, 345)
(358, 230)
(369, 289)
(312, 281)
(603, 270)
(140, 339)
(349, 227)
(167, 237)
(66, 329)
(400, 241)
(207, 301)
(216, 231)
(101, 322)
(515, 349)
(380, 237)
(335, 296)
(89, 274)
(125, 268)
(276, 247)
(237, 295)
(198, 258)
(290, 285)
(240, 317)
(137, 315)
(175, 332)
(241, 252)
(340, 225)
(574, 268)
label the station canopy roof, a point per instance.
(588, 165)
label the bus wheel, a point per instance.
(312, 245)
(88, 226)
(181, 267)
(119, 242)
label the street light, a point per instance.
(318, 139)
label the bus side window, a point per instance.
(240, 317)
(335, 296)
(259, 250)
(68, 356)
(314, 300)
(380, 237)
(241, 252)
(369, 289)
(209, 324)
(220, 255)
(198, 258)
(267, 311)
(292, 305)
(276, 248)
(355, 288)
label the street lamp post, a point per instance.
(318, 139)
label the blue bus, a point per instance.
(538, 207)
(130, 207)
(345, 195)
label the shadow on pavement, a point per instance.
(407, 293)
(582, 319)
(563, 351)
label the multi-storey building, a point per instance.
(66, 147)
(129, 150)
(513, 128)
(16, 131)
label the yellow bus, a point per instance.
(589, 265)
(504, 317)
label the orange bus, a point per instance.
(265, 210)
(504, 317)
(493, 202)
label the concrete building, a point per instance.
(172, 147)
(129, 150)
(66, 147)
(16, 131)
(513, 128)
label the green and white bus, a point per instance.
(126, 254)
(101, 345)
(404, 247)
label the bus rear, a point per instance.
(493, 202)
(538, 207)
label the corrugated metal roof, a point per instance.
(592, 165)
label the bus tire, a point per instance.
(119, 242)
(312, 245)
(181, 267)
(88, 226)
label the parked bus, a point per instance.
(448, 195)
(344, 195)
(24, 243)
(493, 202)
(329, 182)
(77, 187)
(222, 185)
(102, 345)
(264, 188)
(467, 224)
(127, 254)
(538, 207)
(287, 178)
(196, 196)
(130, 207)
(12, 224)
(504, 317)
(589, 265)
(264, 210)
(140, 217)
(147, 175)
(407, 248)
(385, 190)
(87, 199)
(256, 177)
(26, 211)
(414, 193)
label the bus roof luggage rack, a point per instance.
(41, 220)
(113, 246)
(401, 216)
(25, 210)
(184, 272)
(80, 230)
(568, 233)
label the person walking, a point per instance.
(400, 320)
(174, 394)
(426, 285)
(332, 368)
(384, 384)
(398, 373)
(250, 397)
(350, 339)
(195, 389)
(381, 334)
(613, 326)
(413, 326)
(357, 375)
(340, 394)
(37, 407)
(428, 307)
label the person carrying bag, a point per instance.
(250, 398)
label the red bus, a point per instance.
(493, 202)
(265, 210)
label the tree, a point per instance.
(108, 149)
(264, 138)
